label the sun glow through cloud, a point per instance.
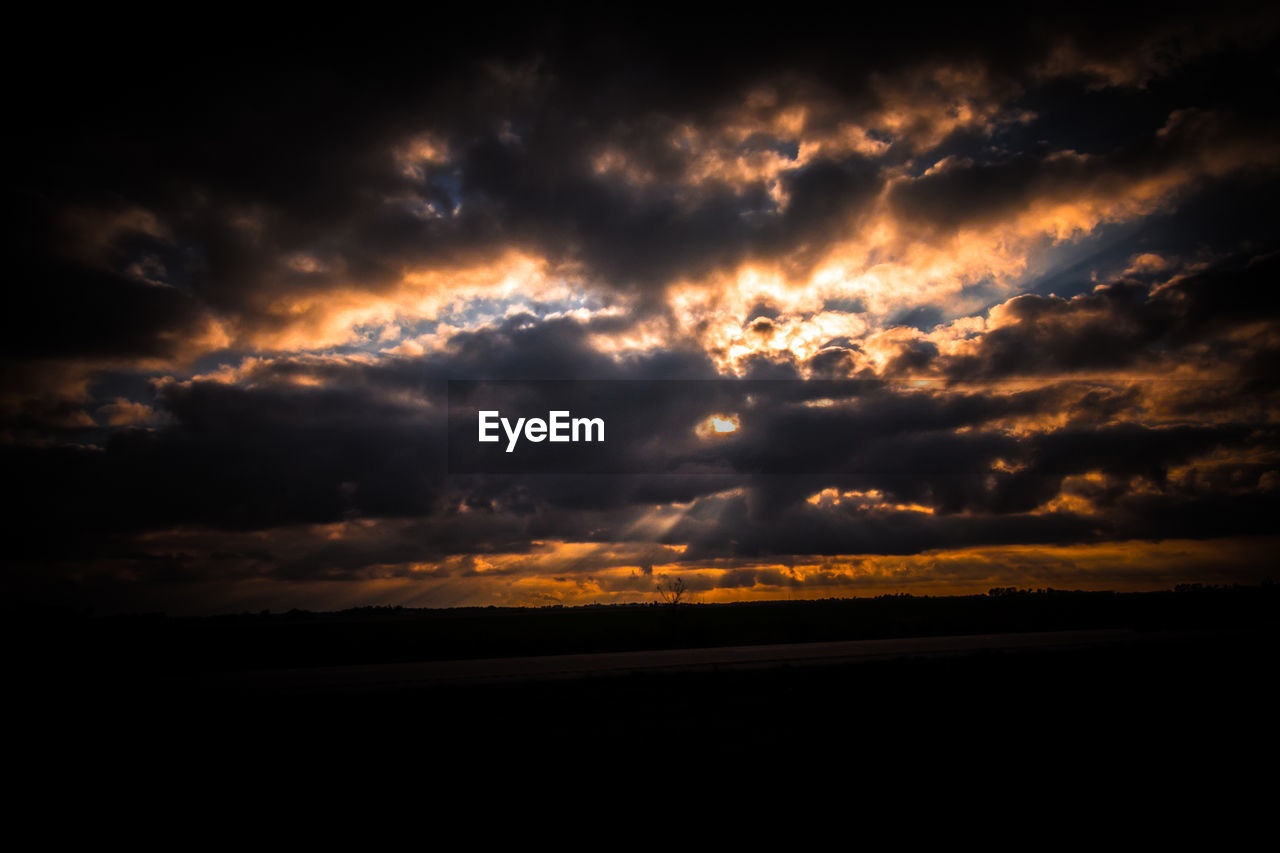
(718, 425)
(1047, 282)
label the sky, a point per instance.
(1040, 250)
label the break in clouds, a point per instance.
(1044, 249)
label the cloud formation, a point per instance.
(1042, 248)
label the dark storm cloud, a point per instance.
(981, 510)
(1128, 323)
(296, 136)
(106, 316)
(211, 222)
(368, 444)
(960, 192)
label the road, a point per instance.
(400, 676)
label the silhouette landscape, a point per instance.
(469, 386)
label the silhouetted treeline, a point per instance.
(155, 643)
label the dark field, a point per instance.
(156, 646)
(1199, 691)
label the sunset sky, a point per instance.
(245, 268)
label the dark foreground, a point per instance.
(1185, 714)
(404, 677)
(150, 646)
(1182, 700)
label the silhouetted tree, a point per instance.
(672, 591)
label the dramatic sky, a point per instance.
(246, 262)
